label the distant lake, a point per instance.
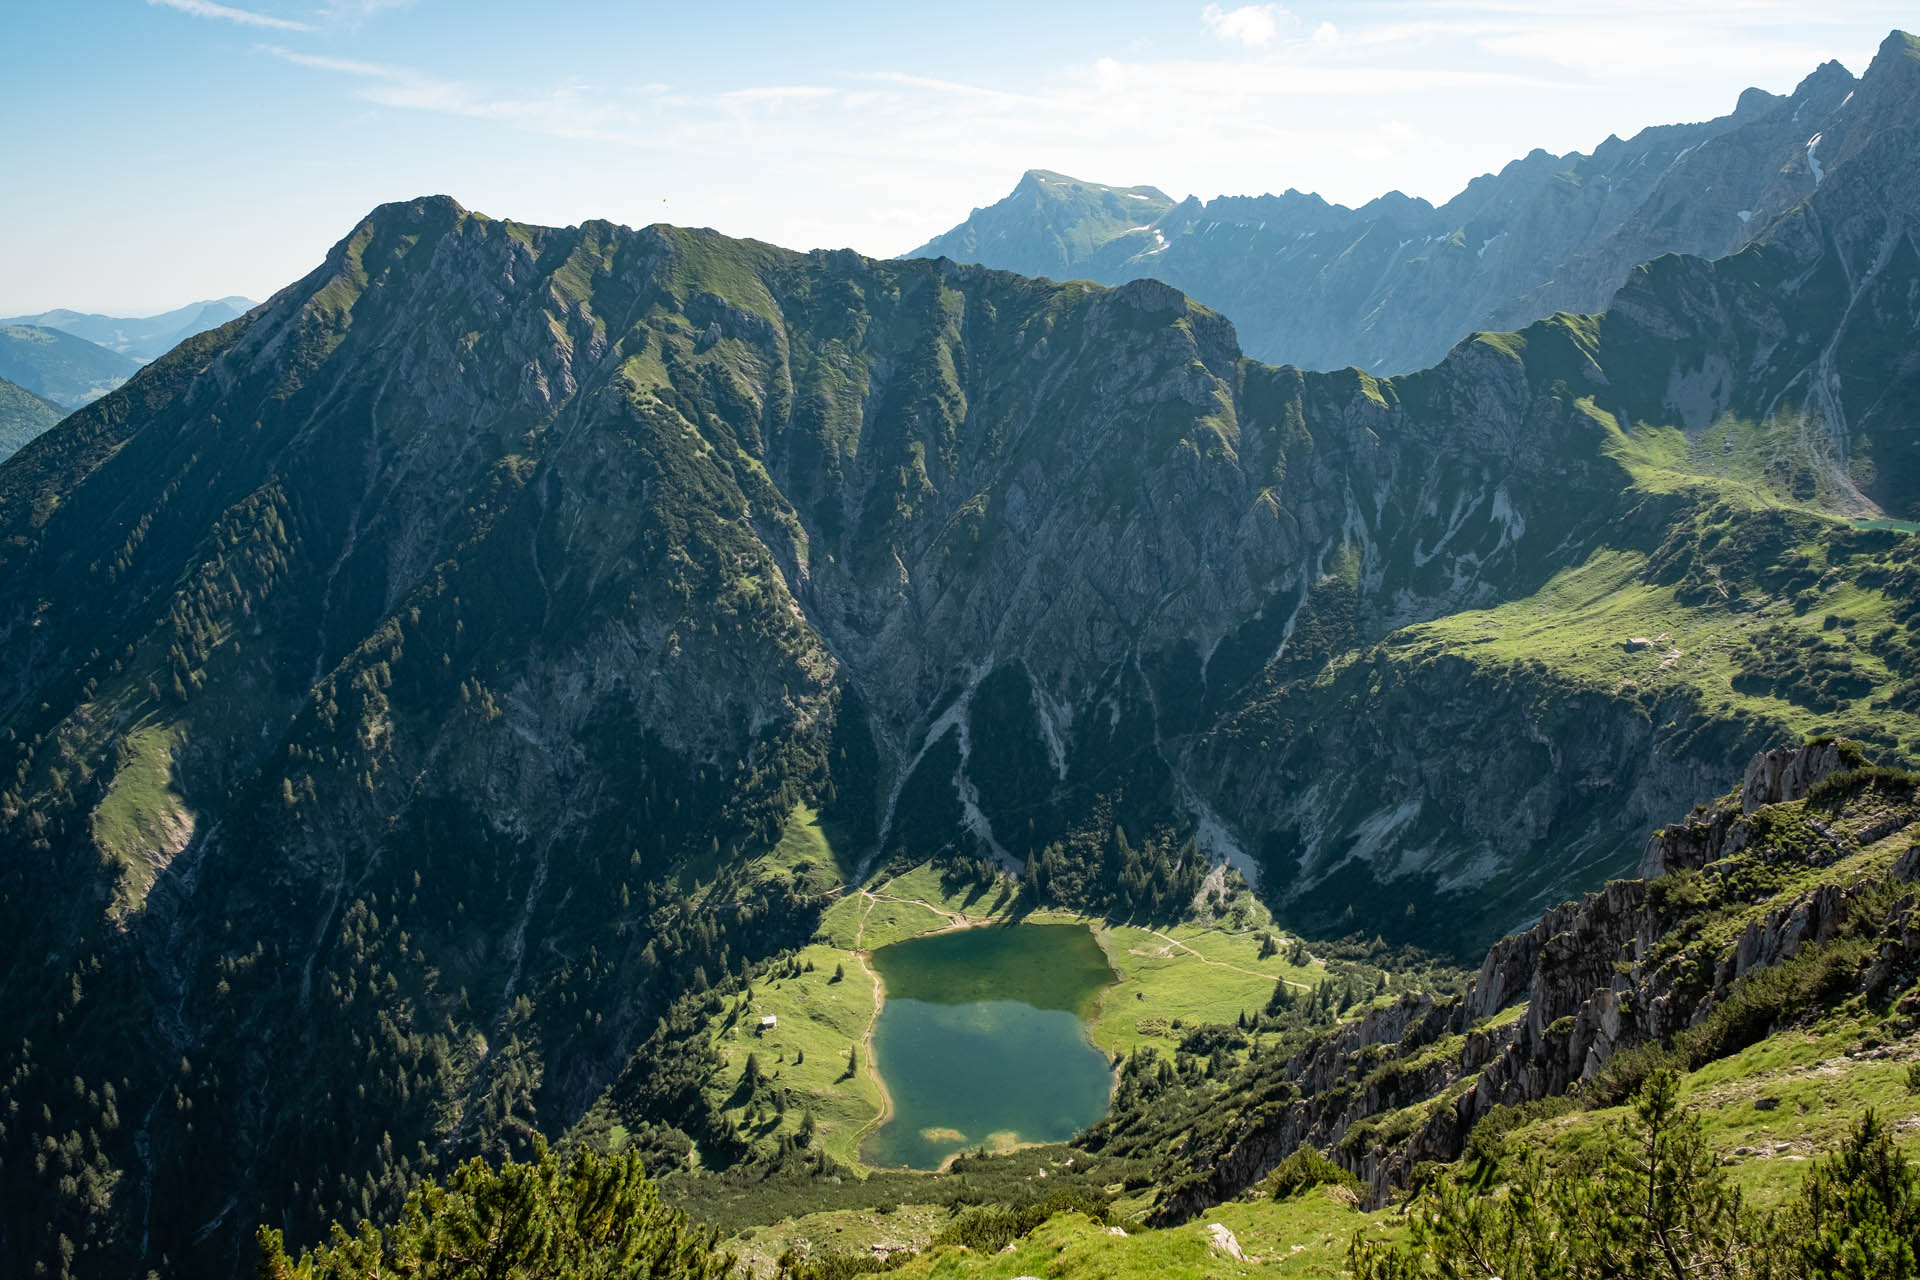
(981, 1041)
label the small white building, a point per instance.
(769, 1022)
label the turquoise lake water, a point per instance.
(982, 1041)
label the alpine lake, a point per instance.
(982, 1041)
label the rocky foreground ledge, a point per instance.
(1815, 851)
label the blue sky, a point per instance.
(158, 151)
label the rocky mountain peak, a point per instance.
(1391, 286)
(1824, 81)
(1785, 774)
(1753, 102)
(1898, 47)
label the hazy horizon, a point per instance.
(199, 150)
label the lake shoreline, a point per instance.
(1001, 969)
(872, 1060)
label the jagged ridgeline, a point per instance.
(1392, 285)
(1787, 905)
(411, 683)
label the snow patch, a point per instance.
(1812, 162)
(1462, 508)
(1745, 215)
(1489, 240)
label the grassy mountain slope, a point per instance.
(59, 367)
(23, 415)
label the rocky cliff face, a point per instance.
(1642, 963)
(1393, 285)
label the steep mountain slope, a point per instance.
(403, 676)
(1391, 286)
(59, 367)
(23, 415)
(1770, 959)
(146, 337)
(1788, 902)
(1051, 225)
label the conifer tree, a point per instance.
(593, 1216)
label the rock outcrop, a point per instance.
(1626, 967)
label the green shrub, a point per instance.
(1487, 1142)
(593, 1216)
(1847, 783)
(837, 1266)
(1658, 1204)
(1858, 1214)
(1304, 1170)
(1628, 1071)
(990, 1230)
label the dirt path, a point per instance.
(867, 1063)
(860, 930)
(1221, 964)
(954, 919)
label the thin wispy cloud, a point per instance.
(565, 112)
(778, 93)
(227, 13)
(1240, 106)
(1254, 25)
(357, 11)
(788, 131)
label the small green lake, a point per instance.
(981, 1041)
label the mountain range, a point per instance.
(411, 679)
(59, 367)
(1391, 286)
(60, 360)
(145, 337)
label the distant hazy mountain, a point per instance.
(145, 338)
(1393, 285)
(23, 415)
(1051, 225)
(58, 366)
